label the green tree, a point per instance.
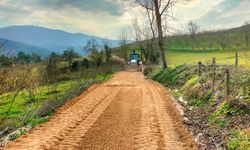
(22, 57)
(3, 58)
(95, 54)
(108, 52)
(69, 55)
(85, 63)
(35, 58)
(52, 71)
(5, 61)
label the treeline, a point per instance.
(99, 54)
(58, 67)
(231, 39)
(25, 58)
(21, 58)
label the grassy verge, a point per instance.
(27, 110)
(217, 120)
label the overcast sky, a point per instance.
(107, 17)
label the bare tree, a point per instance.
(52, 69)
(95, 53)
(193, 30)
(247, 32)
(138, 36)
(107, 49)
(145, 38)
(123, 42)
(69, 55)
(161, 11)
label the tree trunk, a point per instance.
(247, 38)
(160, 34)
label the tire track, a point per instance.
(155, 130)
(127, 112)
(115, 127)
(72, 139)
(174, 111)
(50, 133)
(170, 138)
(146, 138)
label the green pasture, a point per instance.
(178, 57)
(26, 104)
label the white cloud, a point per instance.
(197, 8)
(192, 10)
(223, 14)
(72, 18)
(241, 11)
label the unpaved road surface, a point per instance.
(128, 112)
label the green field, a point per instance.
(178, 57)
(23, 100)
(26, 106)
(24, 109)
(182, 49)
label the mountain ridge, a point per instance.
(53, 40)
(11, 48)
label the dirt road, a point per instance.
(128, 112)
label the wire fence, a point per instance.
(233, 81)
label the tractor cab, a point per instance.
(134, 60)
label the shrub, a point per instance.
(85, 63)
(147, 70)
(239, 140)
(76, 65)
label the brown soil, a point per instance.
(127, 112)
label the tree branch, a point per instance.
(145, 6)
(166, 6)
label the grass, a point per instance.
(25, 106)
(181, 49)
(173, 77)
(211, 106)
(178, 57)
(240, 139)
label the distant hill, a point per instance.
(52, 40)
(237, 38)
(11, 48)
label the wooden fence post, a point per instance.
(227, 82)
(236, 60)
(199, 68)
(214, 70)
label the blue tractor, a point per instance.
(135, 61)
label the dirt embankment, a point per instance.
(127, 112)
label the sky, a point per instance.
(106, 18)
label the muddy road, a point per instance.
(128, 112)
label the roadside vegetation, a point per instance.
(217, 111)
(31, 91)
